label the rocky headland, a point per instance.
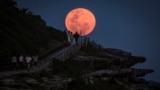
(92, 68)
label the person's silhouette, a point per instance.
(76, 36)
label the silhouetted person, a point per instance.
(21, 61)
(69, 37)
(35, 59)
(76, 36)
(28, 61)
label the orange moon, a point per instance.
(80, 20)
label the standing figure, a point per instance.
(35, 60)
(28, 61)
(69, 37)
(76, 36)
(14, 62)
(21, 62)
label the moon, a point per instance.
(80, 20)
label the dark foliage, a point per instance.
(21, 32)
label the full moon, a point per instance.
(80, 20)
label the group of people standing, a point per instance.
(71, 36)
(21, 62)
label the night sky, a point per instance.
(130, 25)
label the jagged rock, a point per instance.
(80, 57)
(113, 61)
(7, 88)
(12, 84)
(31, 80)
(8, 80)
(119, 72)
(45, 79)
(56, 82)
(117, 52)
(109, 72)
(139, 59)
(141, 72)
(27, 83)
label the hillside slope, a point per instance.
(21, 32)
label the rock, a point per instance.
(117, 52)
(108, 72)
(12, 84)
(80, 57)
(141, 72)
(45, 79)
(6, 88)
(8, 80)
(67, 80)
(56, 82)
(31, 80)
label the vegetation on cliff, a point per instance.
(21, 32)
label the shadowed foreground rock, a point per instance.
(90, 69)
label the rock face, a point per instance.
(117, 52)
(114, 64)
(105, 69)
(30, 83)
(118, 65)
(141, 72)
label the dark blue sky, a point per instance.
(131, 25)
